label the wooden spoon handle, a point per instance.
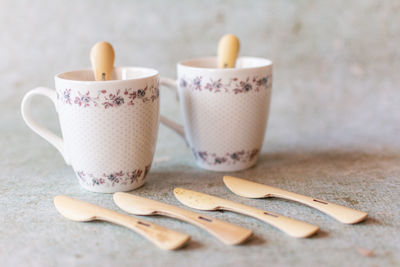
(102, 57)
(228, 50)
(287, 225)
(162, 237)
(340, 213)
(228, 233)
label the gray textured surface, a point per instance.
(333, 131)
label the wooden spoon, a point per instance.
(246, 188)
(228, 233)
(81, 211)
(203, 201)
(228, 50)
(102, 57)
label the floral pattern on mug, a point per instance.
(106, 99)
(214, 85)
(234, 85)
(84, 100)
(111, 179)
(229, 158)
(66, 96)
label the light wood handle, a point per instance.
(162, 237)
(228, 233)
(228, 50)
(250, 189)
(340, 213)
(287, 225)
(102, 57)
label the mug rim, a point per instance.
(152, 73)
(183, 64)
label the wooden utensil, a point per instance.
(228, 233)
(228, 50)
(78, 210)
(203, 201)
(102, 57)
(246, 188)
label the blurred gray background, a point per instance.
(336, 63)
(334, 123)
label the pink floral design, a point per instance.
(84, 100)
(261, 82)
(111, 179)
(135, 175)
(243, 86)
(65, 96)
(250, 84)
(112, 100)
(131, 96)
(229, 158)
(214, 85)
(233, 85)
(107, 99)
(146, 170)
(156, 93)
(197, 83)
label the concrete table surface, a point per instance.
(333, 131)
(34, 234)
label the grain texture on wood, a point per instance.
(228, 233)
(203, 201)
(246, 188)
(78, 210)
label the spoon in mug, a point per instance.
(228, 50)
(102, 58)
(81, 211)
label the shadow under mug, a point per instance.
(109, 128)
(225, 111)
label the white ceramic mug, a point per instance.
(225, 111)
(109, 128)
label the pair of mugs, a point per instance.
(110, 128)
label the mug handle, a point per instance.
(178, 128)
(46, 134)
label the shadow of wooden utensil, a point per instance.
(254, 240)
(319, 235)
(192, 245)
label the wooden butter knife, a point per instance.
(203, 201)
(246, 188)
(228, 233)
(81, 211)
